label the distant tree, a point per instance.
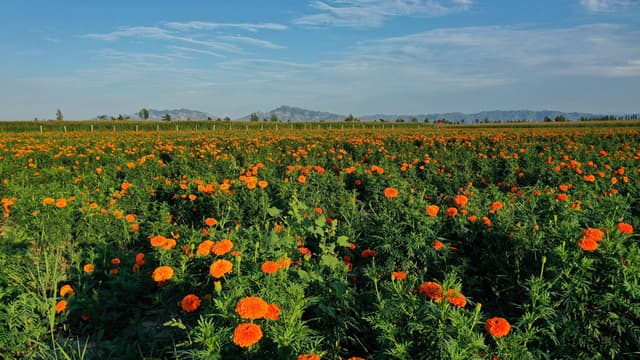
(426, 119)
(120, 117)
(144, 114)
(254, 117)
(166, 117)
(209, 118)
(414, 119)
(59, 115)
(350, 118)
(560, 118)
(227, 119)
(399, 120)
(103, 117)
(381, 120)
(547, 119)
(274, 117)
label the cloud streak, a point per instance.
(202, 25)
(374, 13)
(597, 6)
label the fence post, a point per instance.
(65, 128)
(40, 129)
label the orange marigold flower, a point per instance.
(61, 305)
(220, 267)
(432, 290)
(588, 244)
(593, 233)
(308, 357)
(262, 184)
(355, 358)
(625, 228)
(563, 188)
(48, 201)
(247, 334)
(398, 275)
(222, 247)
(170, 244)
(115, 261)
(61, 203)
(252, 307)
(130, 218)
(366, 253)
(278, 228)
(437, 245)
(456, 298)
(139, 259)
(495, 206)
(269, 267)
(432, 210)
(88, 268)
(273, 312)
(302, 179)
(204, 248)
(283, 263)
(65, 290)
(460, 201)
(497, 327)
(390, 193)
(162, 274)
(562, 197)
(451, 212)
(190, 303)
(158, 241)
(210, 221)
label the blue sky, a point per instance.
(345, 56)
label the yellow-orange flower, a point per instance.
(61, 203)
(437, 245)
(190, 303)
(497, 327)
(625, 228)
(247, 334)
(432, 290)
(588, 244)
(495, 206)
(88, 268)
(451, 212)
(204, 248)
(61, 306)
(432, 210)
(220, 267)
(460, 201)
(158, 241)
(222, 247)
(456, 298)
(252, 307)
(210, 221)
(162, 274)
(390, 193)
(308, 357)
(593, 233)
(273, 312)
(48, 201)
(65, 290)
(269, 267)
(398, 275)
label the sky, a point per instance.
(231, 58)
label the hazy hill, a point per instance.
(290, 113)
(176, 114)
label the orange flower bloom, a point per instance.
(48, 201)
(302, 179)
(139, 259)
(220, 267)
(61, 305)
(432, 210)
(398, 275)
(456, 298)
(451, 212)
(460, 201)
(593, 233)
(273, 312)
(88, 268)
(130, 218)
(115, 261)
(625, 228)
(562, 197)
(262, 184)
(222, 247)
(269, 267)
(162, 274)
(158, 241)
(170, 244)
(61, 203)
(495, 206)
(190, 303)
(437, 245)
(563, 188)
(308, 357)
(252, 307)
(65, 290)
(497, 327)
(210, 221)
(204, 248)
(390, 193)
(245, 335)
(368, 253)
(432, 290)
(588, 244)
(283, 263)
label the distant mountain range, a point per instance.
(295, 114)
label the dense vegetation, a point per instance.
(411, 242)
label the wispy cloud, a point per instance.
(605, 5)
(197, 51)
(201, 25)
(152, 32)
(251, 41)
(372, 13)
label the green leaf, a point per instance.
(343, 241)
(274, 212)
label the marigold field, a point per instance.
(405, 243)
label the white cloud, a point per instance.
(371, 13)
(604, 5)
(197, 51)
(201, 25)
(251, 41)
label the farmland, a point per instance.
(330, 241)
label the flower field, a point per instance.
(405, 243)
